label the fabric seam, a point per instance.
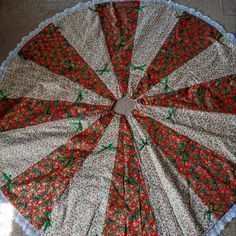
(26, 226)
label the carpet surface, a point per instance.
(119, 89)
(228, 7)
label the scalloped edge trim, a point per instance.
(31, 231)
(220, 224)
(26, 226)
(20, 220)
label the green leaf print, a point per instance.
(3, 95)
(8, 178)
(106, 69)
(78, 124)
(109, 147)
(134, 67)
(144, 142)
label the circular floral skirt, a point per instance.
(118, 118)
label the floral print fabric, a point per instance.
(162, 175)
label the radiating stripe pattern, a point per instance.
(178, 211)
(72, 166)
(213, 63)
(129, 211)
(22, 148)
(21, 112)
(189, 37)
(209, 174)
(25, 78)
(90, 43)
(214, 96)
(119, 22)
(211, 129)
(50, 49)
(148, 33)
(35, 191)
(82, 208)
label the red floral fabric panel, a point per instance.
(119, 22)
(189, 37)
(214, 96)
(210, 175)
(129, 211)
(35, 191)
(50, 49)
(18, 113)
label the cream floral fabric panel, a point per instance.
(179, 211)
(154, 25)
(33, 143)
(26, 78)
(90, 44)
(82, 208)
(213, 130)
(215, 62)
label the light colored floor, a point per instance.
(19, 17)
